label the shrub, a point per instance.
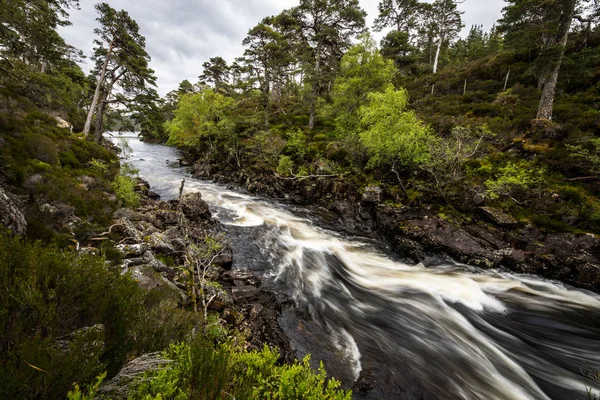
(124, 187)
(511, 177)
(49, 295)
(203, 370)
(285, 166)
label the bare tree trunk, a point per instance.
(549, 90)
(266, 94)
(315, 88)
(88, 122)
(437, 56)
(506, 80)
(100, 121)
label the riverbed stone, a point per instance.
(498, 217)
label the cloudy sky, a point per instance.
(182, 34)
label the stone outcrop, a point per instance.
(11, 215)
(118, 387)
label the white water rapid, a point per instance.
(435, 332)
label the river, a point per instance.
(444, 331)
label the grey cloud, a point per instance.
(182, 34)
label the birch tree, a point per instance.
(446, 22)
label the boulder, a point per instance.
(159, 243)
(193, 207)
(498, 217)
(10, 214)
(372, 194)
(133, 250)
(243, 292)
(118, 387)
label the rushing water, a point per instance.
(435, 332)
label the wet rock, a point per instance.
(202, 170)
(11, 215)
(372, 194)
(498, 217)
(153, 195)
(247, 277)
(119, 386)
(243, 292)
(193, 207)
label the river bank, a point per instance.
(488, 238)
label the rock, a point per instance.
(10, 214)
(153, 195)
(168, 217)
(119, 386)
(127, 230)
(498, 217)
(93, 336)
(243, 292)
(160, 244)
(247, 277)
(193, 207)
(61, 123)
(88, 182)
(33, 181)
(128, 213)
(184, 163)
(202, 170)
(133, 250)
(372, 194)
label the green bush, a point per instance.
(286, 166)
(203, 370)
(124, 187)
(49, 295)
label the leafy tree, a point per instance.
(267, 53)
(121, 60)
(202, 121)
(362, 71)
(445, 23)
(396, 46)
(28, 30)
(215, 74)
(402, 15)
(542, 26)
(327, 27)
(394, 136)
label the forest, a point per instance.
(431, 118)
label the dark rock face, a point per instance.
(193, 207)
(492, 240)
(10, 214)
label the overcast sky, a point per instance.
(182, 34)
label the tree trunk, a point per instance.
(549, 90)
(100, 121)
(437, 56)
(88, 122)
(315, 88)
(266, 94)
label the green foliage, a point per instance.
(285, 166)
(90, 391)
(49, 296)
(588, 154)
(203, 370)
(202, 121)
(362, 71)
(513, 176)
(392, 134)
(124, 187)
